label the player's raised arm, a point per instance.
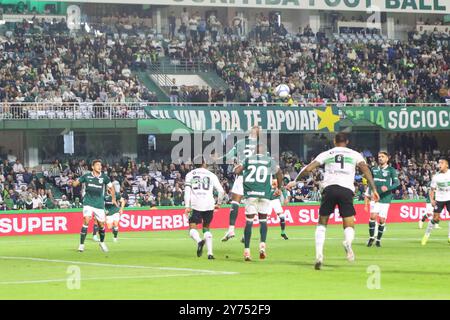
(362, 165)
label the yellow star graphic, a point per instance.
(327, 119)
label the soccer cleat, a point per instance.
(243, 239)
(247, 255)
(370, 242)
(103, 247)
(115, 240)
(318, 264)
(211, 257)
(81, 248)
(96, 238)
(284, 236)
(200, 248)
(420, 224)
(228, 236)
(378, 243)
(262, 250)
(349, 252)
(425, 239)
(436, 226)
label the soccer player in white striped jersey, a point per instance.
(338, 190)
(200, 203)
(439, 197)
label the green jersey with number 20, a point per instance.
(258, 172)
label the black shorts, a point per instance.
(440, 206)
(199, 217)
(341, 197)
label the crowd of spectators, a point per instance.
(161, 183)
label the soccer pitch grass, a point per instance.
(164, 265)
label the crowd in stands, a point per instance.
(44, 62)
(161, 183)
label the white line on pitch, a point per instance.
(120, 265)
(104, 278)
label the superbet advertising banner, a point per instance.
(174, 219)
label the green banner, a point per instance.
(402, 118)
(236, 118)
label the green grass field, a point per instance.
(163, 265)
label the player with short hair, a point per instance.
(439, 197)
(94, 201)
(200, 203)
(338, 190)
(257, 171)
(386, 180)
(113, 213)
(242, 149)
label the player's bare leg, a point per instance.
(282, 218)
(372, 225)
(193, 233)
(235, 201)
(114, 226)
(321, 230)
(431, 226)
(349, 235)
(83, 233)
(101, 232)
(248, 236)
(263, 233)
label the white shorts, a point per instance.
(430, 209)
(257, 205)
(276, 205)
(99, 214)
(114, 218)
(238, 186)
(381, 208)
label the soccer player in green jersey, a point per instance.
(386, 180)
(257, 171)
(94, 201)
(113, 213)
(242, 149)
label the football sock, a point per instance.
(430, 227)
(209, 243)
(101, 232)
(372, 228)
(282, 223)
(349, 235)
(233, 213)
(380, 231)
(425, 216)
(248, 233)
(263, 230)
(83, 233)
(115, 231)
(320, 240)
(194, 235)
(94, 232)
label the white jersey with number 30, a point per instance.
(199, 190)
(340, 166)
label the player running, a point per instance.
(94, 201)
(200, 204)
(338, 190)
(113, 213)
(242, 149)
(439, 197)
(386, 180)
(257, 171)
(276, 203)
(429, 213)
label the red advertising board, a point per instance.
(23, 223)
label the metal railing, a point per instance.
(136, 110)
